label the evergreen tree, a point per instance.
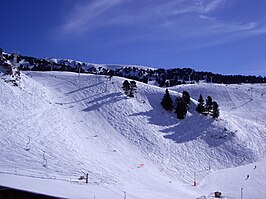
(126, 87)
(200, 107)
(186, 98)
(133, 89)
(167, 102)
(181, 108)
(215, 110)
(208, 105)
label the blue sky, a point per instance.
(221, 36)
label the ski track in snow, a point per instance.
(58, 125)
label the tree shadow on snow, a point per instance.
(80, 100)
(84, 88)
(195, 126)
(104, 100)
(157, 116)
(187, 129)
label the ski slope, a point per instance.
(56, 126)
(243, 112)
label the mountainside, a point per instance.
(161, 77)
(57, 125)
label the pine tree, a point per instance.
(126, 87)
(186, 98)
(208, 105)
(215, 110)
(200, 107)
(133, 88)
(167, 102)
(181, 109)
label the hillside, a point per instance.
(57, 125)
(158, 76)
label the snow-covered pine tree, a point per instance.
(186, 98)
(208, 105)
(133, 88)
(215, 110)
(181, 108)
(126, 87)
(167, 102)
(200, 107)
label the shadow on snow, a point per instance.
(195, 126)
(103, 100)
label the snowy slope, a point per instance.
(57, 132)
(243, 112)
(231, 181)
(57, 125)
(234, 99)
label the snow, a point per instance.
(56, 188)
(232, 180)
(87, 65)
(56, 126)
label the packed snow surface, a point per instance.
(56, 126)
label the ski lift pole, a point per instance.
(195, 182)
(241, 193)
(125, 195)
(251, 90)
(106, 83)
(79, 72)
(87, 177)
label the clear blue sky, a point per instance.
(223, 36)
